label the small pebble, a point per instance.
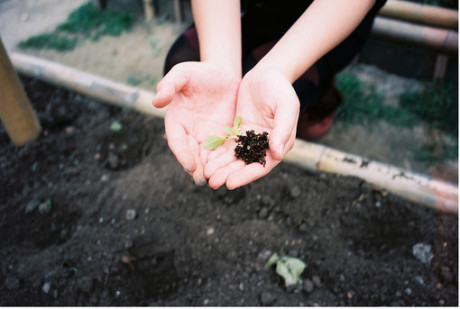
(131, 214)
(12, 283)
(31, 206)
(308, 286)
(295, 192)
(241, 286)
(316, 281)
(408, 291)
(303, 227)
(206, 301)
(422, 252)
(267, 299)
(263, 213)
(46, 287)
(419, 280)
(446, 274)
(43, 208)
(210, 231)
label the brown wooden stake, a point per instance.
(16, 113)
(177, 11)
(148, 10)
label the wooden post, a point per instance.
(16, 113)
(149, 10)
(177, 11)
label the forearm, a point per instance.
(218, 25)
(320, 28)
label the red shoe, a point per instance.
(314, 129)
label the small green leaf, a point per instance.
(230, 131)
(116, 126)
(214, 141)
(289, 268)
(272, 260)
(237, 122)
(34, 166)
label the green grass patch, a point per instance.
(363, 105)
(50, 40)
(86, 22)
(436, 106)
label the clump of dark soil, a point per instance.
(252, 147)
(93, 217)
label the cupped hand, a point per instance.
(202, 100)
(266, 102)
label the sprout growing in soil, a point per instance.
(250, 147)
(289, 268)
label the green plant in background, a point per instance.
(436, 104)
(86, 22)
(363, 105)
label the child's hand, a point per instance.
(202, 99)
(266, 102)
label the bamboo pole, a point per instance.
(420, 189)
(89, 84)
(16, 113)
(420, 14)
(417, 188)
(436, 38)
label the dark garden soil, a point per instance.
(96, 216)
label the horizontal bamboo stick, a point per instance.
(420, 189)
(86, 83)
(435, 38)
(421, 14)
(417, 188)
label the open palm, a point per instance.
(266, 102)
(202, 100)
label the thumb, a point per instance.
(285, 122)
(171, 84)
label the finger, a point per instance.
(250, 173)
(178, 143)
(226, 157)
(169, 86)
(220, 176)
(216, 153)
(197, 174)
(285, 125)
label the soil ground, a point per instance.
(91, 216)
(97, 217)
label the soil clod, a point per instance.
(252, 147)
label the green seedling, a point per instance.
(289, 268)
(116, 126)
(214, 141)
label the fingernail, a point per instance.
(188, 168)
(200, 181)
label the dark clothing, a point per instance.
(263, 23)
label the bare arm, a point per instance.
(218, 24)
(320, 28)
